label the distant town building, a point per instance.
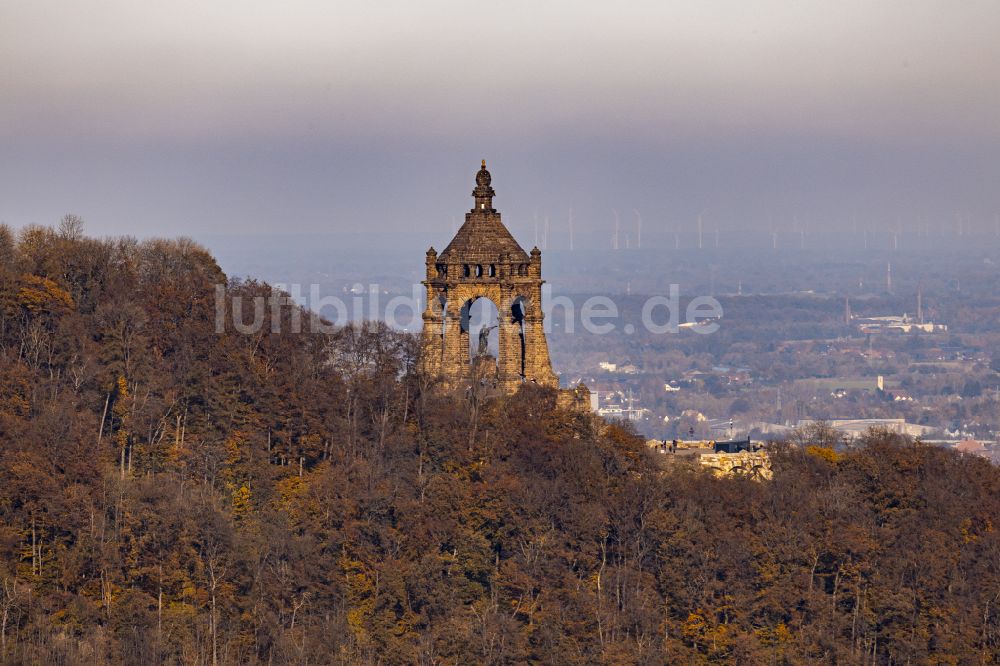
(857, 427)
(618, 404)
(693, 414)
(971, 446)
(896, 323)
(899, 395)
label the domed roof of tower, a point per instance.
(483, 237)
(483, 177)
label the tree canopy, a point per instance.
(172, 493)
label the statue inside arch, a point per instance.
(484, 339)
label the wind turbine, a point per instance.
(614, 242)
(920, 301)
(570, 229)
(800, 230)
(638, 229)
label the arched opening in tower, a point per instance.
(480, 320)
(518, 311)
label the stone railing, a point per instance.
(754, 465)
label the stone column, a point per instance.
(462, 367)
(510, 342)
(432, 343)
(537, 364)
(453, 361)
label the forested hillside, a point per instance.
(173, 494)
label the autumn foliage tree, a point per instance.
(175, 493)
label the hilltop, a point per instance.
(175, 493)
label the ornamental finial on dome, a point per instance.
(483, 177)
(483, 194)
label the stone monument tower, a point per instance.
(484, 261)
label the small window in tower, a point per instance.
(493, 270)
(479, 270)
(482, 206)
(465, 270)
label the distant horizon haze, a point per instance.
(316, 117)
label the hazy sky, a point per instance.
(223, 116)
